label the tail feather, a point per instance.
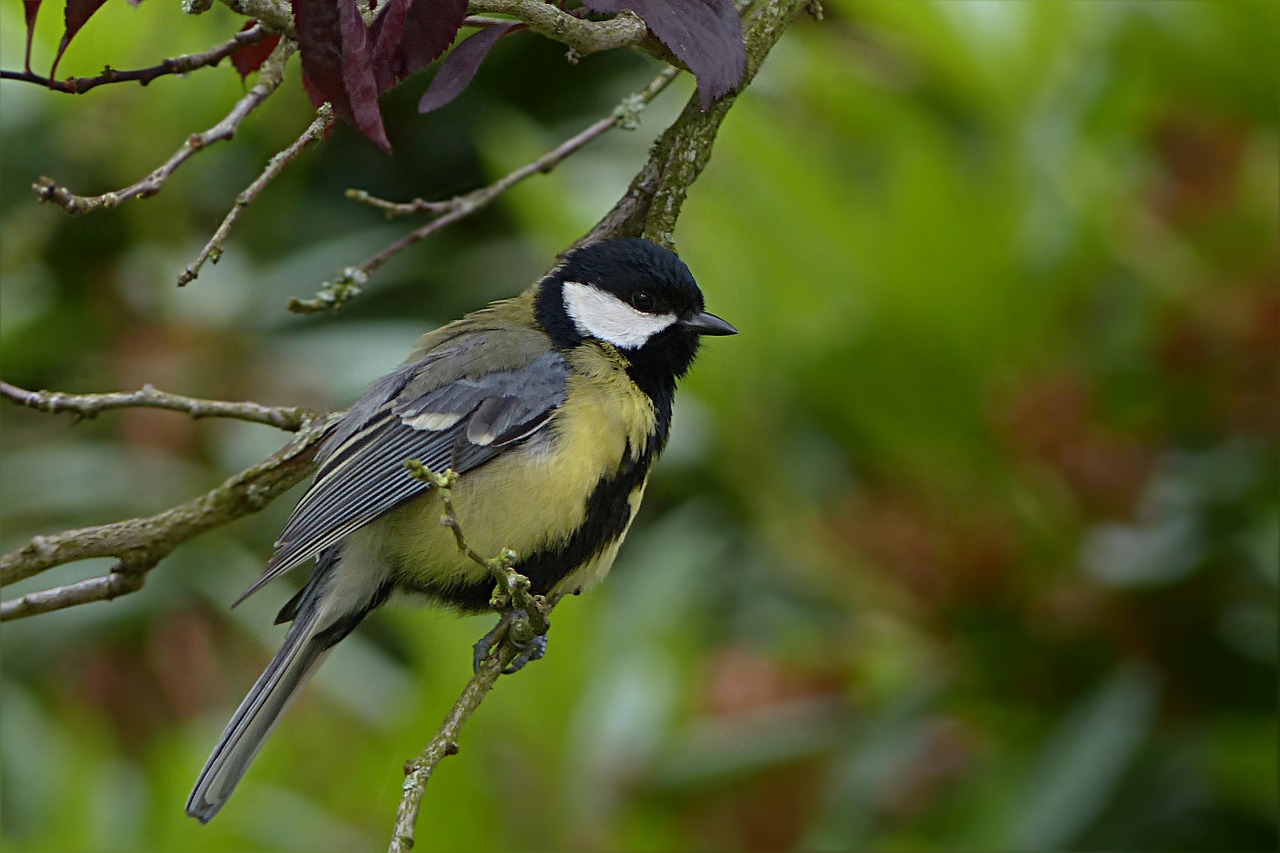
(301, 653)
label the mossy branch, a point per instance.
(139, 544)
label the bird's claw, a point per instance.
(528, 649)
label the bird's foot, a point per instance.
(514, 627)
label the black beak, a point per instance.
(707, 323)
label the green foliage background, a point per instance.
(968, 541)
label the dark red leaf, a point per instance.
(30, 8)
(249, 58)
(385, 34)
(705, 35)
(334, 44)
(408, 35)
(76, 14)
(459, 67)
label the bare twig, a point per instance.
(512, 591)
(212, 250)
(269, 79)
(291, 418)
(418, 770)
(140, 543)
(119, 581)
(336, 293)
(177, 65)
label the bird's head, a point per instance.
(633, 295)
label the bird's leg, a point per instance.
(523, 623)
(515, 626)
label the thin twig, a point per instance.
(512, 592)
(212, 250)
(143, 542)
(177, 65)
(269, 79)
(291, 418)
(418, 770)
(114, 584)
(352, 280)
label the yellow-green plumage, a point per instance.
(532, 498)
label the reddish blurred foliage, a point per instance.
(949, 753)
(769, 809)
(1201, 159)
(740, 680)
(763, 812)
(183, 653)
(155, 355)
(1075, 610)
(138, 686)
(1230, 349)
(939, 553)
(1053, 422)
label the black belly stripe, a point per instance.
(608, 511)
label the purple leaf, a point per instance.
(408, 35)
(249, 58)
(30, 8)
(334, 44)
(705, 35)
(459, 68)
(75, 15)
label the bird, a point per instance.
(551, 408)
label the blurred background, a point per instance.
(968, 541)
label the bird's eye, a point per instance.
(642, 300)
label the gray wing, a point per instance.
(461, 424)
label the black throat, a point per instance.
(654, 367)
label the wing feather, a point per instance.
(361, 472)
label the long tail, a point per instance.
(257, 715)
(315, 630)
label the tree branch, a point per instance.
(212, 250)
(291, 418)
(418, 770)
(335, 294)
(140, 543)
(269, 79)
(119, 581)
(652, 203)
(580, 35)
(275, 14)
(177, 65)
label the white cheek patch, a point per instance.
(603, 316)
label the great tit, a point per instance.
(551, 407)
